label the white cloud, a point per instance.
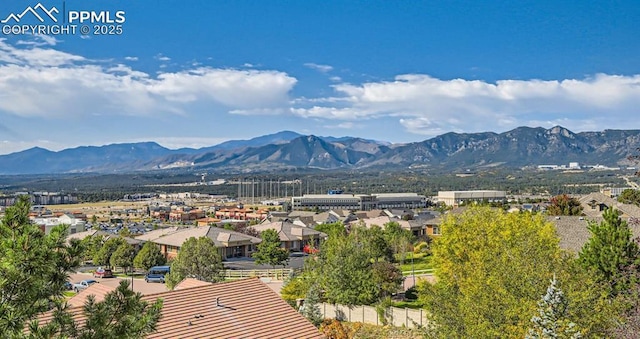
(131, 58)
(430, 106)
(49, 83)
(162, 57)
(35, 56)
(318, 67)
(39, 40)
(344, 125)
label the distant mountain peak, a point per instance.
(517, 148)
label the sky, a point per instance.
(197, 73)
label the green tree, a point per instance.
(295, 288)
(491, 268)
(551, 321)
(92, 245)
(398, 239)
(374, 240)
(124, 232)
(610, 251)
(564, 205)
(630, 196)
(332, 229)
(103, 256)
(149, 256)
(387, 277)
(123, 256)
(269, 250)
(310, 309)
(198, 258)
(122, 314)
(343, 269)
(33, 267)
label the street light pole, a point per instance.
(413, 271)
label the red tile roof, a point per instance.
(236, 309)
(99, 291)
(190, 282)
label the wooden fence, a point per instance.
(275, 274)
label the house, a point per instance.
(574, 233)
(182, 215)
(242, 214)
(90, 233)
(229, 243)
(292, 236)
(207, 221)
(237, 309)
(594, 204)
(417, 228)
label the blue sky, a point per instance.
(198, 73)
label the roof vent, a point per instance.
(218, 301)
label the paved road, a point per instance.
(409, 281)
(139, 285)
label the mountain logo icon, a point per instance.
(38, 11)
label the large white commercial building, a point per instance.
(47, 224)
(455, 198)
(359, 202)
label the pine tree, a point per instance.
(551, 320)
(610, 251)
(310, 309)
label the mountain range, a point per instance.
(520, 147)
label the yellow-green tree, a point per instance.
(492, 267)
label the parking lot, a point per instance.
(296, 261)
(139, 285)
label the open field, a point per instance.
(96, 205)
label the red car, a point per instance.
(103, 273)
(310, 249)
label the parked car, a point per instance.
(77, 287)
(103, 273)
(68, 286)
(156, 274)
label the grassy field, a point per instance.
(421, 261)
(95, 205)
